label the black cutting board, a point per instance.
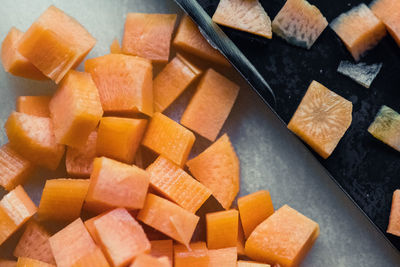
(365, 168)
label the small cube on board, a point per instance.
(28, 262)
(79, 161)
(226, 257)
(361, 72)
(34, 105)
(386, 127)
(389, 12)
(197, 255)
(394, 219)
(222, 229)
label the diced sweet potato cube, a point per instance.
(62, 199)
(148, 35)
(75, 109)
(33, 138)
(28, 262)
(34, 105)
(125, 83)
(222, 229)
(144, 260)
(115, 184)
(196, 256)
(168, 138)
(119, 138)
(161, 248)
(394, 219)
(168, 218)
(115, 48)
(55, 43)
(388, 12)
(226, 257)
(79, 161)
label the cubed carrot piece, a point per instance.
(144, 260)
(115, 184)
(254, 209)
(119, 138)
(55, 43)
(62, 199)
(28, 262)
(79, 161)
(226, 257)
(7, 263)
(13, 61)
(148, 35)
(33, 138)
(73, 244)
(14, 169)
(125, 83)
(15, 209)
(34, 105)
(189, 39)
(168, 218)
(394, 219)
(197, 255)
(210, 105)
(241, 240)
(163, 248)
(251, 264)
(170, 83)
(177, 185)
(222, 229)
(284, 238)
(123, 243)
(217, 168)
(384, 10)
(115, 48)
(75, 109)
(170, 139)
(34, 243)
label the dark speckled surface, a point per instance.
(365, 168)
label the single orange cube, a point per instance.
(284, 238)
(34, 243)
(251, 264)
(170, 83)
(210, 105)
(148, 35)
(114, 184)
(144, 260)
(226, 257)
(217, 168)
(79, 161)
(14, 169)
(34, 105)
(394, 219)
(123, 243)
(254, 209)
(168, 138)
(125, 83)
(168, 218)
(33, 138)
(222, 229)
(15, 209)
(163, 248)
(62, 199)
(55, 43)
(119, 138)
(13, 61)
(197, 255)
(189, 39)
(28, 262)
(115, 48)
(388, 12)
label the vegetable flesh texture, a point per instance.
(386, 127)
(389, 12)
(34, 105)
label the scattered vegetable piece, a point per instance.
(115, 48)
(386, 127)
(28, 262)
(79, 161)
(394, 219)
(144, 260)
(389, 12)
(222, 229)
(361, 73)
(34, 105)
(226, 257)
(197, 255)
(163, 248)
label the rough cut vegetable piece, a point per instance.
(148, 35)
(115, 184)
(386, 127)
(196, 256)
(210, 105)
(15, 209)
(115, 48)
(299, 23)
(34, 105)
(13, 61)
(394, 219)
(75, 109)
(170, 139)
(251, 264)
(7, 263)
(222, 229)
(33, 138)
(284, 238)
(254, 209)
(389, 12)
(361, 73)
(34, 244)
(121, 236)
(125, 83)
(79, 161)
(244, 15)
(226, 257)
(62, 199)
(55, 43)
(176, 185)
(359, 29)
(73, 245)
(14, 169)
(189, 39)
(170, 83)
(119, 138)
(217, 168)
(321, 119)
(144, 260)
(28, 262)
(168, 218)
(163, 248)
